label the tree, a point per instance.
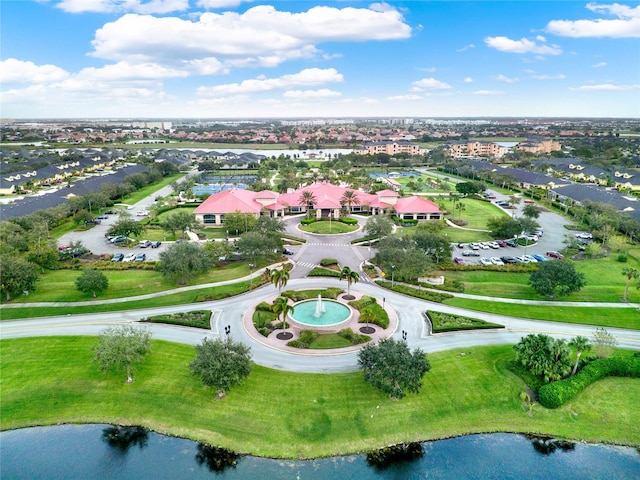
(307, 200)
(238, 222)
(392, 368)
(581, 344)
(279, 278)
(409, 260)
(630, 273)
(604, 343)
(221, 364)
(557, 278)
(18, 276)
(468, 188)
(219, 251)
(180, 262)
(127, 226)
(378, 226)
(259, 247)
(121, 347)
(531, 211)
(460, 207)
(281, 307)
(435, 246)
(179, 222)
(267, 225)
(544, 356)
(92, 281)
(349, 198)
(351, 277)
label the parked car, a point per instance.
(459, 260)
(155, 244)
(497, 261)
(554, 254)
(118, 239)
(461, 245)
(539, 258)
(287, 251)
(489, 196)
(528, 200)
(142, 213)
(144, 244)
(530, 259)
(470, 253)
(129, 258)
(584, 235)
(117, 257)
(485, 261)
(508, 259)
(95, 221)
(494, 245)
(102, 217)
(501, 243)
(63, 247)
(522, 259)
(484, 245)
(512, 243)
(141, 257)
(474, 246)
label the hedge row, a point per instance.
(323, 272)
(414, 292)
(195, 319)
(299, 295)
(325, 262)
(108, 265)
(305, 340)
(553, 395)
(446, 322)
(348, 221)
(353, 337)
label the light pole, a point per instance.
(251, 266)
(393, 271)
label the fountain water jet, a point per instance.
(319, 307)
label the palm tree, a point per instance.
(349, 198)
(279, 278)
(581, 344)
(350, 276)
(308, 200)
(630, 273)
(281, 307)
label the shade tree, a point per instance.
(121, 348)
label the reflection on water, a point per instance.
(106, 452)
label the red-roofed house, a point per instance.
(326, 199)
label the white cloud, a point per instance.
(302, 94)
(488, 92)
(119, 6)
(260, 36)
(466, 47)
(402, 98)
(502, 78)
(626, 25)
(125, 71)
(504, 44)
(214, 4)
(599, 65)
(559, 76)
(18, 71)
(468, 80)
(307, 77)
(429, 84)
(604, 87)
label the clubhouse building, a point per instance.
(324, 199)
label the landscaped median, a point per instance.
(308, 415)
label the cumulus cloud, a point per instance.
(558, 76)
(524, 45)
(214, 4)
(18, 71)
(468, 80)
(625, 25)
(488, 92)
(599, 65)
(321, 93)
(260, 36)
(429, 84)
(120, 6)
(307, 77)
(604, 87)
(503, 78)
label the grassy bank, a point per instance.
(282, 414)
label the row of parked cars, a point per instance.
(131, 257)
(507, 259)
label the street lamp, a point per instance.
(393, 271)
(251, 267)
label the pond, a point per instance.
(105, 451)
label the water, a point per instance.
(333, 313)
(105, 452)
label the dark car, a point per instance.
(512, 243)
(155, 244)
(117, 257)
(141, 257)
(102, 217)
(286, 251)
(470, 253)
(507, 259)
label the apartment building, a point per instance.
(475, 149)
(390, 147)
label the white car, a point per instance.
(494, 245)
(485, 261)
(522, 259)
(584, 235)
(484, 245)
(496, 261)
(129, 258)
(530, 259)
(142, 213)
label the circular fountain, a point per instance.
(320, 314)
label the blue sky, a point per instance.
(243, 58)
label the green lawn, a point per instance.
(144, 192)
(294, 415)
(328, 227)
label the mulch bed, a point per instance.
(284, 336)
(367, 330)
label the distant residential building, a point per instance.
(390, 147)
(475, 149)
(539, 145)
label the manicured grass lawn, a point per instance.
(144, 192)
(163, 216)
(476, 212)
(600, 316)
(283, 414)
(328, 227)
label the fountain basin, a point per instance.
(325, 315)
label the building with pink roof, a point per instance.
(325, 199)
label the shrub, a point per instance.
(353, 337)
(623, 257)
(553, 395)
(195, 319)
(308, 221)
(363, 302)
(446, 322)
(323, 272)
(371, 312)
(414, 292)
(349, 221)
(325, 262)
(299, 295)
(264, 307)
(306, 338)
